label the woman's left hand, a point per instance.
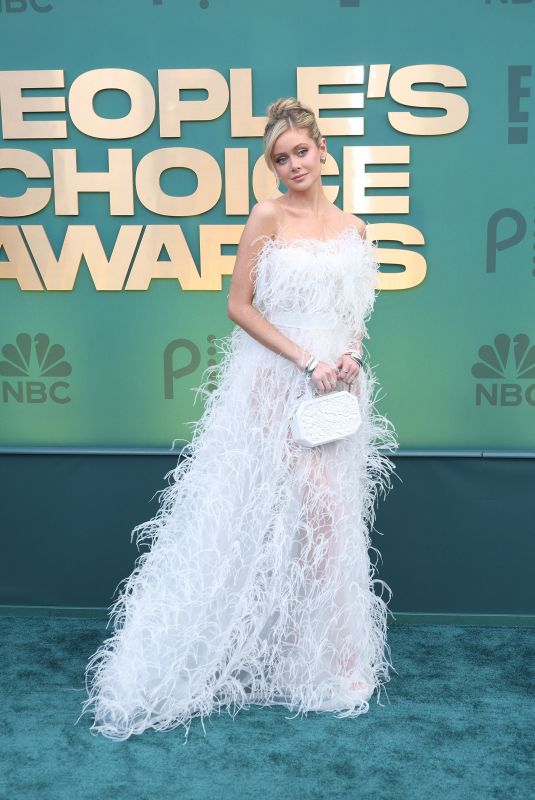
(348, 369)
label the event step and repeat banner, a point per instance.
(132, 155)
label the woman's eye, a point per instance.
(301, 152)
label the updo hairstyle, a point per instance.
(283, 114)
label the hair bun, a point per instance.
(280, 108)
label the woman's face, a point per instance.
(296, 158)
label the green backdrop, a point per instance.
(455, 355)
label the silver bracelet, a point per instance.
(311, 365)
(355, 355)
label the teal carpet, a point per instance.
(458, 722)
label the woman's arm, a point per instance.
(261, 222)
(356, 342)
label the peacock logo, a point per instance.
(181, 357)
(504, 363)
(31, 358)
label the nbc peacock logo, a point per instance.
(505, 366)
(30, 369)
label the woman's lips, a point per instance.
(299, 177)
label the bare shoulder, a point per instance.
(263, 217)
(352, 221)
(261, 224)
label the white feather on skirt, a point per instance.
(257, 585)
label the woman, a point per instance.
(257, 587)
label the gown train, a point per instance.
(257, 584)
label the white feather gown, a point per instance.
(256, 585)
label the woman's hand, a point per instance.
(324, 377)
(348, 369)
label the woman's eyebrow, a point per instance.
(282, 153)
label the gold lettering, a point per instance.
(174, 111)
(414, 263)
(82, 241)
(357, 180)
(32, 200)
(401, 90)
(147, 266)
(377, 80)
(137, 87)
(13, 105)
(213, 263)
(309, 80)
(204, 166)
(263, 180)
(117, 182)
(330, 168)
(19, 265)
(242, 122)
(236, 180)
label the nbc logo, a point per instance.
(30, 358)
(502, 365)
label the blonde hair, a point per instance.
(283, 114)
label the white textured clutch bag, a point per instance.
(326, 418)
